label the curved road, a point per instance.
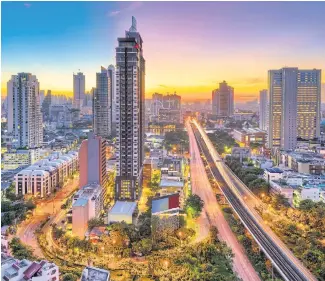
(44, 208)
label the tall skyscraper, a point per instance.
(92, 163)
(264, 110)
(294, 109)
(130, 83)
(223, 100)
(24, 110)
(111, 75)
(102, 104)
(79, 85)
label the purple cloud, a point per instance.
(27, 5)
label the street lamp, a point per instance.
(166, 263)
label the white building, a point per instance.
(79, 85)
(279, 187)
(122, 211)
(87, 204)
(95, 274)
(263, 125)
(44, 176)
(17, 270)
(24, 111)
(102, 104)
(313, 193)
(34, 182)
(130, 119)
(294, 108)
(273, 174)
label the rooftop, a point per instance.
(95, 274)
(80, 202)
(274, 170)
(123, 207)
(171, 183)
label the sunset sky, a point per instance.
(189, 47)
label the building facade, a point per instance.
(46, 175)
(102, 104)
(294, 108)
(130, 89)
(87, 204)
(92, 163)
(111, 76)
(250, 135)
(24, 111)
(263, 122)
(223, 100)
(46, 104)
(79, 85)
(15, 159)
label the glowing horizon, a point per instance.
(189, 47)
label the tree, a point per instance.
(69, 277)
(176, 138)
(143, 246)
(249, 178)
(95, 222)
(306, 205)
(20, 251)
(194, 205)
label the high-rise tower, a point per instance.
(223, 100)
(130, 89)
(111, 75)
(24, 111)
(294, 109)
(263, 125)
(102, 104)
(79, 85)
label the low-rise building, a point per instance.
(161, 128)
(17, 270)
(241, 152)
(315, 194)
(165, 214)
(46, 175)
(95, 274)
(87, 204)
(172, 166)
(35, 182)
(272, 174)
(21, 157)
(262, 162)
(122, 211)
(171, 186)
(306, 162)
(250, 135)
(280, 187)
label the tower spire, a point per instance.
(133, 27)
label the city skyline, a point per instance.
(245, 41)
